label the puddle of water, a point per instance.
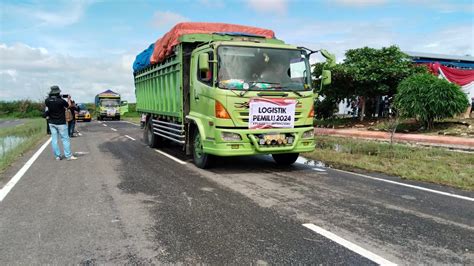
(9, 143)
(310, 162)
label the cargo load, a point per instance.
(142, 60)
(163, 47)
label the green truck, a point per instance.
(230, 94)
(109, 105)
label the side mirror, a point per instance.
(204, 62)
(123, 103)
(326, 77)
(330, 58)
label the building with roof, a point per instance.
(454, 61)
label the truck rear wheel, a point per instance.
(285, 158)
(153, 140)
(201, 159)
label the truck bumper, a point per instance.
(249, 143)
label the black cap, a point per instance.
(55, 90)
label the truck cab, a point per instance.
(109, 105)
(228, 76)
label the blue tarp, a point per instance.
(143, 59)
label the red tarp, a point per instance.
(164, 45)
(459, 76)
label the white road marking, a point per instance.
(129, 137)
(6, 189)
(113, 129)
(318, 169)
(349, 245)
(171, 157)
(408, 185)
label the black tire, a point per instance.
(153, 140)
(285, 158)
(201, 159)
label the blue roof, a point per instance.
(446, 63)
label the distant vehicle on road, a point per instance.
(227, 90)
(108, 105)
(83, 114)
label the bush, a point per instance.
(21, 109)
(427, 98)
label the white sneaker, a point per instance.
(72, 158)
(58, 158)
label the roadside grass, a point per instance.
(462, 127)
(16, 140)
(428, 164)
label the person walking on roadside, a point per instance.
(72, 121)
(46, 116)
(472, 108)
(57, 123)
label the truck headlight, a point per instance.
(308, 134)
(228, 136)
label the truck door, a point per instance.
(202, 100)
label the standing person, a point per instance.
(57, 123)
(46, 116)
(470, 109)
(72, 122)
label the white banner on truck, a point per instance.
(271, 113)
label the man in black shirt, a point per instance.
(57, 123)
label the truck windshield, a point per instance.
(254, 68)
(110, 102)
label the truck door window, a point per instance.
(206, 76)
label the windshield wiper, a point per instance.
(296, 92)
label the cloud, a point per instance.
(60, 15)
(339, 36)
(360, 3)
(27, 73)
(454, 40)
(269, 6)
(167, 19)
(69, 15)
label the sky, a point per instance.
(89, 46)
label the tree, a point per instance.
(428, 98)
(377, 72)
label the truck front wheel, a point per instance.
(201, 159)
(285, 158)
(153, 140)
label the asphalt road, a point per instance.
(122, 202)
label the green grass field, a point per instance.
(16, 140)
(435, 165)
